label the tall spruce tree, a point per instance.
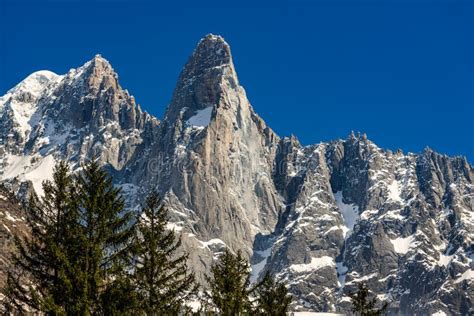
(41, 277)
(161, 273)
(362, 305)
(120, 296)
(107, 231)
(229, 283)
(272, 297)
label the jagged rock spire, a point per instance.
(200, 83)
(211, 52)
(91, 95)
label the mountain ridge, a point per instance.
(321, 217)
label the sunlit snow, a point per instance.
(206, 244)
(402, 245)
(394, 191)
(349, 212)
(315, 264)
(467, 275)
(201, 118)
(23, 168)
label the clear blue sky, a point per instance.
(399, 70)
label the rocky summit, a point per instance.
(322, 217)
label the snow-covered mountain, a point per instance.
(322, 217)
(76, 116)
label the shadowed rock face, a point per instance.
(320, 217)
(12, 223)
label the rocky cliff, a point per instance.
(321, 217)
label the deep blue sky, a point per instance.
(399, 70)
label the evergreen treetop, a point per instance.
(229, 283)
(272, 297)
(41, 277)
(161, 273)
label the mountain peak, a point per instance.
(35, 82)
(99, 66)
(200, 83)
(213, 41)
(211, 52)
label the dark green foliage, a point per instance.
(362, 305)
(229, 285)
(106, 233)
(75, 260)
(161, 274)
(272, 297)
(120, 296)
(44, 259)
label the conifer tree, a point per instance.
(272, 297)
(229, 285)
(107, 231)
(161, 273)
(120, 296)
(362, 305)
(41, 278)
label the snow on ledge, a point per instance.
(215, 241)
(201, 118)
(402, 245)
(467, 275)
(315, 264)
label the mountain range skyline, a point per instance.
(321, 218)
(402, 72)
(341, 137)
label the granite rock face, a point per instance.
(213, 158)
(321, 217)
(401, 223)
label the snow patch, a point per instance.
(402, 245)
(194, 304)
(368, 214)
(201, 118)
(394, 191)
(206, 244)
(467, 275)
(349, 212)
(363, 278)
(315, 264)
(258, 267)
(444, 260)
(174, 226)
(33, 168)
